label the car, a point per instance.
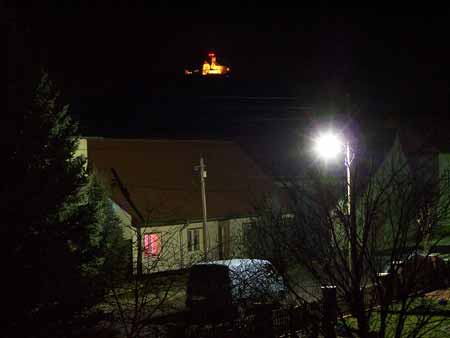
(418, 271)
(224, 289)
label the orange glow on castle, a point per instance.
(210, 68)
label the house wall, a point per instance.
(444, 162)
(125, 220)
(395, 165)
(236, 237)
(174, 253)
(82, 150)
(174, 249)
(430, 169)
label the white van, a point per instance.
(220, 288)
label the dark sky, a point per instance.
(120, 57)
(118, 46)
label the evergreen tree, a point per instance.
(55, 222)
(106, 254)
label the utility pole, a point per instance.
(349, 157)
(350, 206)
(202, 172)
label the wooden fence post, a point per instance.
(329, 311)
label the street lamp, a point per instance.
(328, 146)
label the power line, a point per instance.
(144, 186)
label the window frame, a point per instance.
(191, 247)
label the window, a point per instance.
(193, 239)
(152, 244)
(249, 230)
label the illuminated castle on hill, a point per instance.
(210, 68)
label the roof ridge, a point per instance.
(158, 140)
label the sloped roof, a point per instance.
(162, 181)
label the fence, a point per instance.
(293, 322)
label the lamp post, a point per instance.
(328, 146)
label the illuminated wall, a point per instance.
(174, 254)
(82, 150)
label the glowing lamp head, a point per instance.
(211, 54)
(328, 146)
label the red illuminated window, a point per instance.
(152, 245)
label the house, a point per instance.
(163, 186)
(123, 216)
(414, 180)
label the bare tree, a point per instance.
(140, 298)
(135, 301)
(379, 256)
(135, 295)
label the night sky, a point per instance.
(122, 70)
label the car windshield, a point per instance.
(255, 279)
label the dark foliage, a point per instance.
(51, 231)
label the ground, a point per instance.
(174, 309)
(439, 294)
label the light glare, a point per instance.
(328, 146)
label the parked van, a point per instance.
(219, 289)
